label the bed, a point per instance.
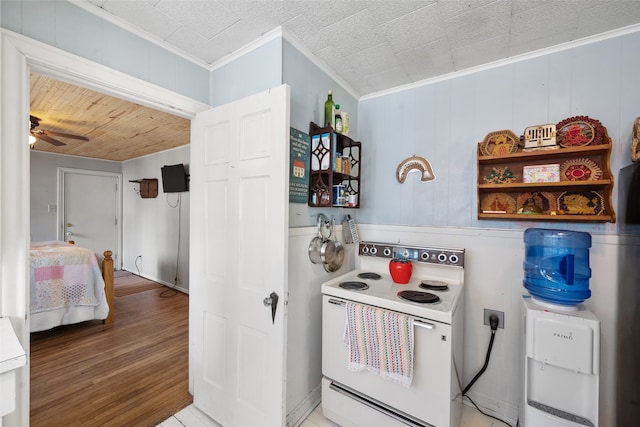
(68, 286)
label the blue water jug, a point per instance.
(556, 265)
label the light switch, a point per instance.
(51, 208)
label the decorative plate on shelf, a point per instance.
(542, 199)
(499, 143)
(581, 203)
(579, 131)
(500, 175)
(498, 203)
(580, 170)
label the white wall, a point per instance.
(444, 120)
(150, 226)
(253, 72)
(68, 26)
(309, 86)
(304, 324)
(493, 279)
(156, 228)
(43, 187)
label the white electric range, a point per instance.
(436, 306)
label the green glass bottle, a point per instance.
(337, 126)
(329, 110)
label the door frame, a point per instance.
(19, 56)
(62, 172)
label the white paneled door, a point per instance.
(238, 259)
(89, 209)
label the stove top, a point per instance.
(369, 275)
(434, 285)
(354, 286)
(435, 288)
(420, 297)
(383, 293)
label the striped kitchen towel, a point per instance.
(380, 341)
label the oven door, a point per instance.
(430, 396)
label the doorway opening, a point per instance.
(20, 57)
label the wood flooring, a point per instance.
(133, 372)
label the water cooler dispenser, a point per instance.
(562, 337)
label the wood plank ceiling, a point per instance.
(117, 130)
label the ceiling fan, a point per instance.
(46, 135)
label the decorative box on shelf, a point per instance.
(541, 173)
(540, 136)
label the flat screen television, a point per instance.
(175, 178)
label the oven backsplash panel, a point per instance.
(452, 257)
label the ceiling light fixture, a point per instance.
(32, 140)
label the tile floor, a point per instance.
(192, 417)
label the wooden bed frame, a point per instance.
(107, 275)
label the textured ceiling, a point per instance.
(376, 45)
(370, 45)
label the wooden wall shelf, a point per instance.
(565, 200)
(148, 187)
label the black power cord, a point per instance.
(493, 323)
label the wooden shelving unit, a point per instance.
(593, 198)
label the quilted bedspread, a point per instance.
(64, 275)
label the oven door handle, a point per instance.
(416, 322)
(422, 324)
(336, 302)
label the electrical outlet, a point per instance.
(500, 314)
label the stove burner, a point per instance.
(355, 286)
(419, 297)
(434, 285)
(368, 275)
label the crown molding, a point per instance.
(511, 60)
(319, 63)
(103, 14)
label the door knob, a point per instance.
(272, 300)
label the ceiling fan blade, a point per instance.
(34, 119)
(48, 139)
(65, 135)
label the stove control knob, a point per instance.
(442, 257)
(365, 250)
(453, 259)
(424, 256)
(387, 251)
(373, 250)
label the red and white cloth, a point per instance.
(380, 341)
